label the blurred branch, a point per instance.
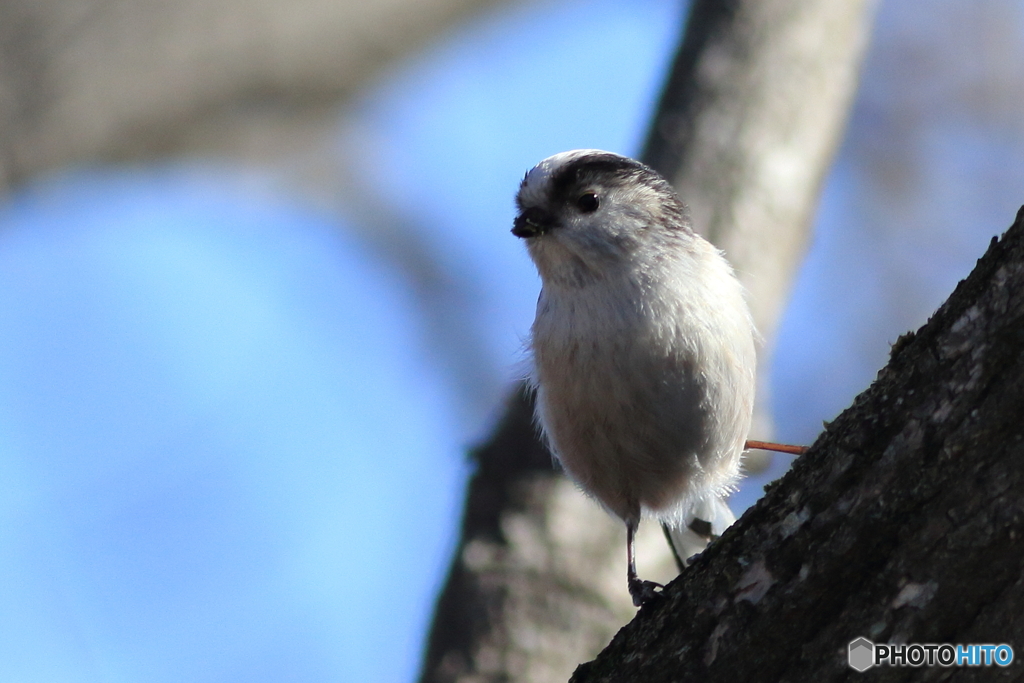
(132, 79)
(752, 113)
(746, 130)
(902, 524)
(258, 82)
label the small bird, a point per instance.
(642, 348)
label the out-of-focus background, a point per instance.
(237, 384)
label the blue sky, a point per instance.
(232, 445)
(201, 455)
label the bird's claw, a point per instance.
(644, 591)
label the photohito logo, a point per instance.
(863, 654)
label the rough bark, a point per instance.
(904, 523)
(538, 579)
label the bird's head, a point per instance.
(586, 214)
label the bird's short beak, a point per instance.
(533, 222)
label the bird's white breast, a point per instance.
(645, 386)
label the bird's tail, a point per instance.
(706, 521)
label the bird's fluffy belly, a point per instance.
(633, 445)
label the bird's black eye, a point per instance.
(588, 202)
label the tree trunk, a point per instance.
(746, 129)
(904, 523)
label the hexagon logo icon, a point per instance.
(861, 655)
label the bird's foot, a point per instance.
(644, 592)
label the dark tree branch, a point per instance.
(903, 523)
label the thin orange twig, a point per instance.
(777, 447)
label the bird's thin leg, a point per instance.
(641, 591)
(680, 561)
(777, 447)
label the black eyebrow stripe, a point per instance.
(597, 164)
